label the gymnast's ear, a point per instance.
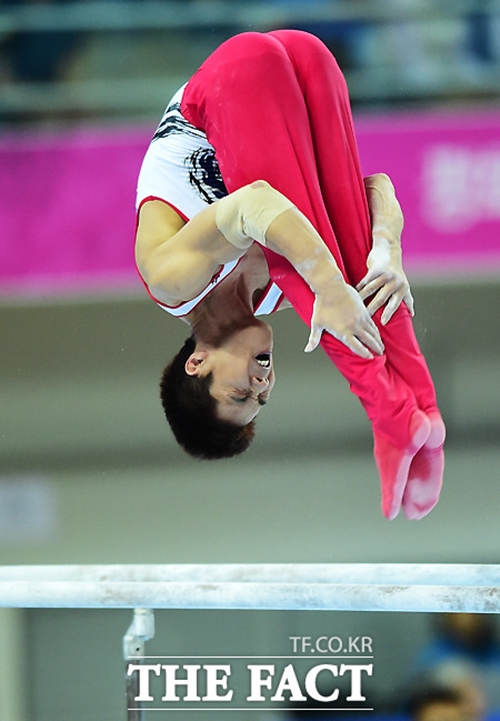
(194, 363)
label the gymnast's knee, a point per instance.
(261, 54)
(306, 50)
(301, 41)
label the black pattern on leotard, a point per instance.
(203, 169)
(173, 122)
(205, 175)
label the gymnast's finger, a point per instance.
(410, 303)
(370, 337)
(369, 286)
(391, 307)
(314, 339)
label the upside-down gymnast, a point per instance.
(251, 199)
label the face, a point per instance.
(243, 373)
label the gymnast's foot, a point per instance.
(394, 462)
(425, 477)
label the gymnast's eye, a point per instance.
(239, 399)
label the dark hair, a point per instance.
(192, 412)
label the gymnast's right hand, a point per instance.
(342, 313)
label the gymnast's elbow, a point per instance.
(261, 184)
(264, 191)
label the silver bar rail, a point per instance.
(321, 587)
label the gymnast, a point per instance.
(250, 199)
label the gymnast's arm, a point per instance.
(178, 260)
(385, 280)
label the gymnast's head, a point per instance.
(212, 393)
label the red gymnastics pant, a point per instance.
(275, 107)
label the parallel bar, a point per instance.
(445, 574)
(348, 587)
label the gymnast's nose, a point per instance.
(259, 383)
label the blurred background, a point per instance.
(89, 472)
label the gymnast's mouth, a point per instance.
(264, 360)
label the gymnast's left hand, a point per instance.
(385, 282)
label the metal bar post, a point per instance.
(141, 629)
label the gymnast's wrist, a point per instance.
(326, 279)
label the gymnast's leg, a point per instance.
(326, 98)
